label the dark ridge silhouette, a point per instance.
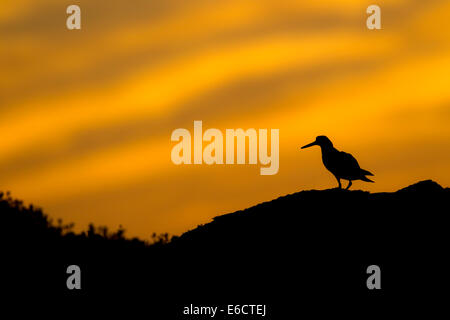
(341, 164)
(305, 251)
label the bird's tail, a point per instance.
(366, 173)
(364, 178)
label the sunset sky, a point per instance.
(87, 115)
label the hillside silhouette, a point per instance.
(305, 247)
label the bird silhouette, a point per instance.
(341, 164)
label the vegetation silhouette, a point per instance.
(341, 164)
(312, 247)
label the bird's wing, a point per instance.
(348, 160)
(352, 165)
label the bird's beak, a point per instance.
(310, 145)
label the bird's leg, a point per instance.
(339, 181)
(349, 184)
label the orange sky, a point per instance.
(87, 115)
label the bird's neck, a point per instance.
(327, 149)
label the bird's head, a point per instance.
(321, 141)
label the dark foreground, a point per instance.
(305, 252)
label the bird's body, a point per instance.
(341, 164)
